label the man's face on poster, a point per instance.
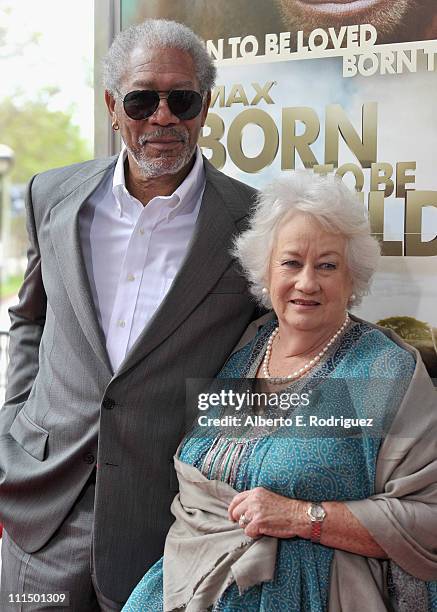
(389, 17)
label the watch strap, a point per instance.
(316, 531)
(317, 515)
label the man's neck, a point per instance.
(145, 189)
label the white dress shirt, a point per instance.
(133, 252)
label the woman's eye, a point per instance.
(291, 263)
(327, 265)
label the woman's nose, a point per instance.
(306, 280)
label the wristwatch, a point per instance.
(317, 515)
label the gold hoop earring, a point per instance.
(115, 126)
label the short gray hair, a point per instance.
(329, 202)
(158, 34)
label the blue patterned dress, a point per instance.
(335, 465)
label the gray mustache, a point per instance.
(181, 133)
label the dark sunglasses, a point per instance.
(183, 103)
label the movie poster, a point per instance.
(344, 87)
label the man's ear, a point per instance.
(110, 103)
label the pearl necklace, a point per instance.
(305, 368)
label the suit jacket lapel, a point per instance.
(204, 264)
(64, 232)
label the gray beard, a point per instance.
(160, 166)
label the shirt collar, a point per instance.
(183, 198)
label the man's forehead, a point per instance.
(166, 59)
(160, 68)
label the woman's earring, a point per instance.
(265, 290)
(352, 298)
(115, 126)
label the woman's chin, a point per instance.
(303, 321)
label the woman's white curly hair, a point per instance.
(329, 202)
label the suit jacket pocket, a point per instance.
(29, 435)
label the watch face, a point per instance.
(317, 512)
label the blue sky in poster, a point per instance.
(297, 84)
(407, 131)
(403, 114)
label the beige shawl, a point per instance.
(204, 551)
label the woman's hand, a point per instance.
(268, 513)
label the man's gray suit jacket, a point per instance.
(66, 412)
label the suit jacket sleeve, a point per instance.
(27, 324)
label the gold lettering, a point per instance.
(356, 171)
(262, 93)
(377, 179)
(212, 140)
(337, 122)
(416, 200)
(323, 169)
(271, 140)
(237, 96)
(403, 179)
(218, 93)
(376, 218)
(292, 142)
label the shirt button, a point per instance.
(142, 231)
(108, 403)
(88, 458)
(130, 277)
(121, 323)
